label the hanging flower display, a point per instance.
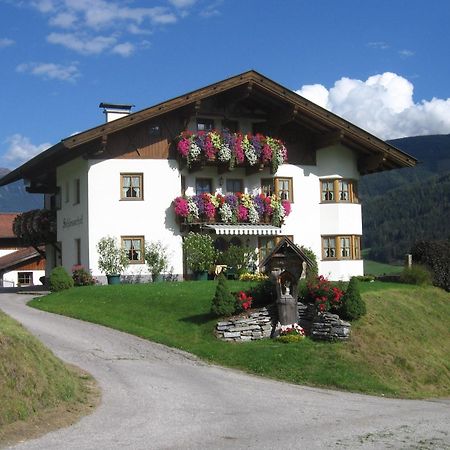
(231, 148)
(232, 208)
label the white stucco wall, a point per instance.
(72, 218)
(10, 279)
(151, 217)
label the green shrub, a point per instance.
(365, 278)
(353, 306)
(418, 275)
(264, 293)
(436, 256)
(82, 277)
(60, 279)
(238, 259)
(156, 258)
(224, 302)
(311, 272)
(200, 252)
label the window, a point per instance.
(78, 251)
(76, 193)
(339, 190)
(205, 124)
(131, 186)
(234, 185)
(24, 278)
(267, 244)
(134, 246)
(341, 247)
(282, 187)
(329, 247)
(154, 131)
(203, 185)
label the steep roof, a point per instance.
(334, 128)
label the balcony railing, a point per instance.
(230, 150)
(231, 209)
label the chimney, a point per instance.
(113, 111)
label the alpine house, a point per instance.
(245, 159)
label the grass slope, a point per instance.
(401, 348)
(31, 377)
(377, 268)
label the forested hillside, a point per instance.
(406, 205)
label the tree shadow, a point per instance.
(199, 319)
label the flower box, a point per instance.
(231, 209)
(230, 150)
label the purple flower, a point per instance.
(232, 200)
(259, 205)
(257, 145)
(198, 200)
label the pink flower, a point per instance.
(266, 154)
(183, 146)
(210, 211)
(242, 213)
(239, 150)
(181, 207)
(286, 206)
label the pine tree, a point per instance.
(353, 306)
(223, 303)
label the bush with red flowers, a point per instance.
(243, 301)
(325, 295)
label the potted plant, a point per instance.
(156, 258)
(200, 254)
(112, 259)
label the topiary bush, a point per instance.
(224, 302)
(353, 306)
(60, 279)
(418, 275)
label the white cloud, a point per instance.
(382, 105)
(379, 45)
(20, 150)
(5, 42)
(124, 49)
(50, 71)
(63, 20)
(82, 43)
(406, 53)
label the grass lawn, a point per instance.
(400, 348)
(32, 379)
(377, 268)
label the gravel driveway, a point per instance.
(155, 397)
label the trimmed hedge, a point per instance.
(60, 279)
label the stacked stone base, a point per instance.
(261, 323)
(329, 327)
(258, 325)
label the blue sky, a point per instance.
(383, 65)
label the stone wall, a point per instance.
(259, 324)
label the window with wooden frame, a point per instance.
(234, 185)
(24, 278)
(341, 247)
(203, 185)
(338, 190)
(205, 124)
(267, 243)
(281, 186)
(131, 186)
(134, 247)
(76, 191)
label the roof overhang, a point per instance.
(376, 154)
(245, 229)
